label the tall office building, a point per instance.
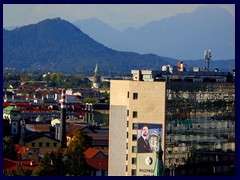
(135, 106)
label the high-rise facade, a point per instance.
(133, 105)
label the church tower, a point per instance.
(96, 78)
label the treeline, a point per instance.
(52, 80)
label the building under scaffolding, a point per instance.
(207, 135)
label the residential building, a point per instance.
(134, 103)
(40, 141)
(99, 137)
(13, 115)
(97, 161)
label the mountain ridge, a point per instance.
(58, 45)
(184, 36)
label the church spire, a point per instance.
(96, 68)
(96, 78)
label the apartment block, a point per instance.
(133, 104)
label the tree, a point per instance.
(75, 162)
(51, 165)
(9, 173)
(105, 95)
(22, 171)
(57, 162)
(89, 100)
(19, 171)
(38, 171)
(9, 150)
(79, 137)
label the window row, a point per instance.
(135, 95)
(40, 144)
(134, 125)
(134, 171)
(134, 114)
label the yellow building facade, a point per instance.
(132, 103)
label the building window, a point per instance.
(48, 144)
(126, 157)
(14, 130)
(40, 144)
(134, 137)
(127, 134)
(55, 144)
(127, 113)
(134, 160)
(126, 145)
(126, 168)
(127, 123)
(128, 94)
(134, 125)
(135, 95)
(134, 114)
(134, 149)
(33, 144)
(134, 172)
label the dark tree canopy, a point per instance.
(9, 150)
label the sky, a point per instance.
(118, 16)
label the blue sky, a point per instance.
(119, 16)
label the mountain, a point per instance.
(97, 29)
(183, 36)
(10, 27)
(57, 45)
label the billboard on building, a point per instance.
(149, 150)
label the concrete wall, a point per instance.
(117, 141)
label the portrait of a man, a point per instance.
(142, 142)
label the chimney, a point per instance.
(63, 119)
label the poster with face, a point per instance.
(148, 149)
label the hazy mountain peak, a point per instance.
(182, 36)
(212, 9)
(130, 29)
(93, 23)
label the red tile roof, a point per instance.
(40, 128)
(9, 164)
(98, 163)
(21, 150)
(42, 151)
(91, 152)
(99, 137)
(72, 127)
(94, 161)
(22, 104)
(6, 104)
